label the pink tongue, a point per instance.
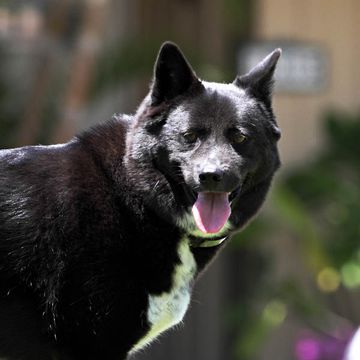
(211, 211)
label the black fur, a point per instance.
(90, 228)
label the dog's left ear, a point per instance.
(172, 74)
(260, 79)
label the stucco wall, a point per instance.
(334, 25)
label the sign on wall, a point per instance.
(303, 68)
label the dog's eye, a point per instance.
(236, 136)
(190, 136)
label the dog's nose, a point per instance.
(210, 178)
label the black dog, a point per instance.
(102, 237)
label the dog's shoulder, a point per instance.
(100, 146)
(107, 141)
(51, 184)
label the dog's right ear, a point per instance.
(260, 79)
(172, 74)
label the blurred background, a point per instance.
(288, 286)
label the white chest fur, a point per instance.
(169, 308)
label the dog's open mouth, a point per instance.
(212, 210)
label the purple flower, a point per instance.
(323, 347)
(307, 349)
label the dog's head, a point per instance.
(208, 150)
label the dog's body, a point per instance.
(101, 238)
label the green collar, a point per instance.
(197, 242)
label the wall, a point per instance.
(334, 25)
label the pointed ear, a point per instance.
(260, 79)
(172, 74)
